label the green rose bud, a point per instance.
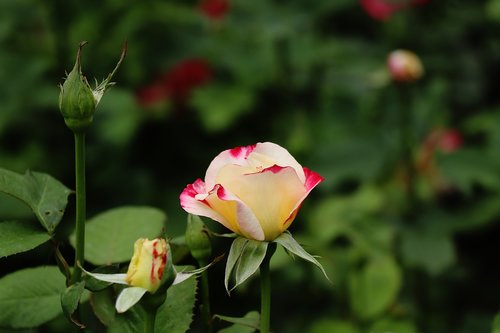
(77, 100)
(198, 239)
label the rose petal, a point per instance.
(272, 194)
(281, 157)
(236, 156)
(241, 218)
(193, 201)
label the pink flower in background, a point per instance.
(214, 9)
(450, 140)
(255, 191)
(404, 66)
(382, 10)
(176, 84)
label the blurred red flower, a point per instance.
(382, 10)
(177, 83)
(214, 9)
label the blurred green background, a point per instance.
(406, 221)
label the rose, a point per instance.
(148, 263)
(404, 66)
(255, 191)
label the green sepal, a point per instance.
(245, 257)
(290, 244)
(93, 284)
(70, 299)
(198, 239)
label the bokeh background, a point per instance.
(407, 220)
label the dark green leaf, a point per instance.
(132, 321)
(18, 237)
(110, 236)
(46, 196)
(247, 324)
(332, 325)
(176, 314)
(70, 299)
(496, 324)
(103, 304)
(30, 297)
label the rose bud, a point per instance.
(148, 264)
(255, 191)
(77, 100)
(404, 66)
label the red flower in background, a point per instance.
(177, 83)
(214, 9)
(382, 10)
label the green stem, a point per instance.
(205, 297)
(149, 323)
(80, 204)
(265, 290)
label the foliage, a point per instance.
(406, 228)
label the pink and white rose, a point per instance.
(255, 191)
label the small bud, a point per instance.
(147, 267)
(198, 239)
(77, 100)
(404, 66)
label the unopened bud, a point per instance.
(404, 66)
(77, 100)
(149, 264)
(198, 239)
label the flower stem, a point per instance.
(149, 321)
(265, 290)
(80, 204)
(205, 307)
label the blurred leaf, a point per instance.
(246, 324)
(128, 298)
(220, 106)
(244, 259)
(30, 297)
(496, 324)
(46, 196)
(18, 237)
(333, 326)
(118, 117)
(462, 169)
(110, 236)
(389, 325)
(429, 249)
(70, 299)
(335, 215)
(374, 286)
(176, 314)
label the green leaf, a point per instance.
(70, 299)
(110, 236)
(176, 314)
(247, 324)
(18, 237)
(133, 321)
(45, 195)
(390, 325)
(245, 257)
(332, 325)
(103, 304)
(374, 287)
(429, 249)
(289, 243)
(30, 297)
(496, 324)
